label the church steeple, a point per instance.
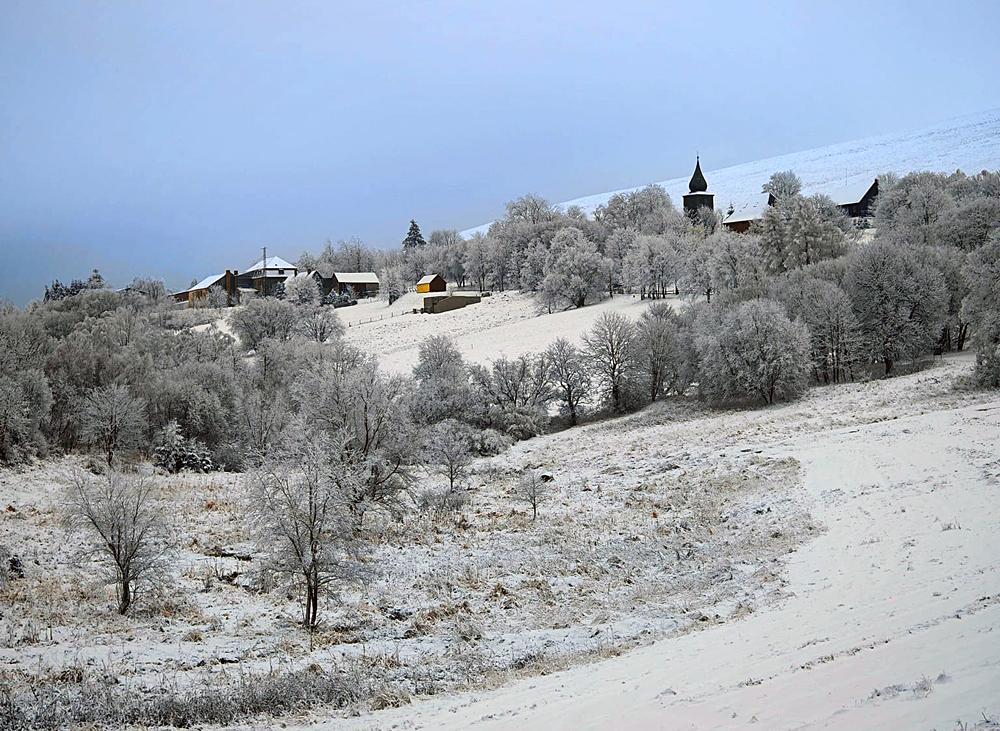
(698, 183)
(698, 195)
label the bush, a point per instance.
(751, 351)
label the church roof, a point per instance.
(698, 183)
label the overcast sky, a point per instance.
(176, 138)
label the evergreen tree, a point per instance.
(414, 238)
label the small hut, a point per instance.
(431, 283)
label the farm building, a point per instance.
(199, 292)
(265, 275)
(358, 284)
(857, 201)
(431, 283)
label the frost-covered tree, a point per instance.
(751, 351)
(217, 298)
(648, 211)
(443, 387)
(910, 210)
(318, 323)
(900, 302)
(663, 351)
(569, 375)
(448, 451)
(530, 209)
(799, 231)
(835, 340)
(298, 508)
(477, 261)
(736, 268)
(533, 490)
(653, 265)
(532, 267)
(574, 269)
(697, 273)
(263, 319)
(513, 394)
(113, 421)
(25, 391)
(367, 412)
(302, 291)
(783, 184)
(611, 350)
(123, 530)
(981, 308)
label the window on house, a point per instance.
(281, 271)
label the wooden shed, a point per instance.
(431, 283)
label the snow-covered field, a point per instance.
(827, 563)
(891, 613)
(971, 143)
(504, 324)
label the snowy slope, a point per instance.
(971, 143)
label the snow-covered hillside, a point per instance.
(971, 143)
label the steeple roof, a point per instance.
(698, 183)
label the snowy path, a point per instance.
(900, 595)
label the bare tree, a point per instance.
(299, 511)
(569, 376)
(448, 451)
(533, 490)
(123, 529)
(611, 349)
(112, 420)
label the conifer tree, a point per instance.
(413, 238)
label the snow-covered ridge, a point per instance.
(971, 143)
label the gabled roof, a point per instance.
(428, 278)
(852, 193)
(356, 277)
(273, 262)
(204, 283)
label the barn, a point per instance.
(199, 292)
(265, 275)
(358, 284)
(431, 283)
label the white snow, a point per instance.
(504, 324)
(892, 615)
(971, 143)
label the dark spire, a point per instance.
(698, 183)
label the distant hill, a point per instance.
(971, 143)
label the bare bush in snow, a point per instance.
(533, 490)
(299, 507)
(123, 530)
(302, 290)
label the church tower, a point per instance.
(698, 195)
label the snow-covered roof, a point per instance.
(204, 283)
(272, 262)
(851, 193)
(749, 210)
(356, 277)
(427, 278)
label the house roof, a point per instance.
(272, 262)
(204, 283)
(428, 278)
(356, 277)
(852, 193)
